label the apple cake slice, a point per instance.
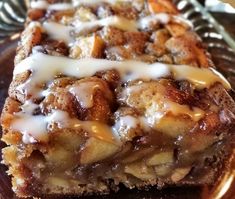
(111, 92)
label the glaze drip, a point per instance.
(44, 68)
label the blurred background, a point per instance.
(223, 13)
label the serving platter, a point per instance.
(220, 45)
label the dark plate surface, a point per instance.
(221, 47)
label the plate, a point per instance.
(219, 43)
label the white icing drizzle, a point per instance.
(153, 117)
(28, 107)
(42, 4)
(28, 139)
(159, 106)
(39, 4)
(45, 67)
(151, 121)
(199, 77)
(62, 32)
(58, 31)
(115, 21)
(92, 2)
(158, 110)
(84, 93)
(45, 5)
(124, 124)
(161, 18)
(31, 127)
(35, 128)
(127, 121)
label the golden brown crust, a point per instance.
(188, 49)
(30, 38)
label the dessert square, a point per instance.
(111, 92)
